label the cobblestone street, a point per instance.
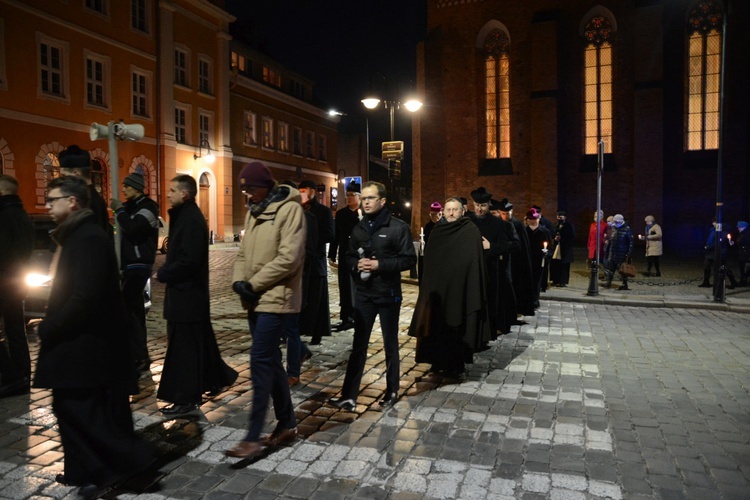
(587, 400)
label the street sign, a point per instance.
(393, 155)
(393, 150)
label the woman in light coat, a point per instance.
(652, 235)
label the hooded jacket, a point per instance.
(272, 253)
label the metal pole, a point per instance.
(367, 140)
(114, 165)
(719, 269)
(594, 278)
(392, 104)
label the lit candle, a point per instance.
(729, 236)
(545, 245)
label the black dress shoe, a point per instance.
(15, 388)
(92, 491)
(389, 399)
(705, 285)
(344, 404)
(178, 409)
(60, 478)
(344, 325)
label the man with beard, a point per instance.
(496, 248)
(315, 318)
(540, 240)
(450, 319)
(380, 248)
(520, 264)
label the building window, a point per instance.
(271, 76)
(298, 90)
(52, 68)
(297, 141)
(322, 148)
(703, 77)
(140, 90)
(98, 6)
(139, 15)
(250, 137)
(181, 68)
(204, 127)
(204, 75)
(497, 91)
(180, 125)
(267, 132)
(310, 144)
(284, 137)
(241, 65)
(597, 101)
(97, 81)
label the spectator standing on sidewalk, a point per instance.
(84, 354)
(620, 250)
(268, 278)
(592, 246)
(380, 248)
(192, 364)
(346, 218)
(315, 318)
(138, 223)
(16, 244)
(743, 251)
(654, 249)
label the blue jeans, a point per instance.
(267, 373)
(295, 348)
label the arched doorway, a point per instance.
(204, 186)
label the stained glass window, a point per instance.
(597, 91)
(703, 76)
(497, 94)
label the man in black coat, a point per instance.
(450, 319)
(16, 243)
(193, 363)
(315, 318)
(84, 356)
(562, 255)
(77, 162)
(549, 226)
(346, 219)
(540, 241)
(138, 224)
(380, 248)
(520, 263)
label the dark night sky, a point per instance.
(341, 45)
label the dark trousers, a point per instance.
(295, 348)
(365, 311)
(315, 317)
(346, 292)
(96, 431)
(193, 363)
(133, 282)
(15, 362)
(652, 260)
(267, 374)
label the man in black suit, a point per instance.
(77, 162)
(84, 356)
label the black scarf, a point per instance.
(375, 221)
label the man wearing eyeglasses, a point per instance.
(84, 355)
(380, 248)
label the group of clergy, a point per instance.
(483, 271)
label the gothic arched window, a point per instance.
(497, 94)
(597, 100)
(703, 77)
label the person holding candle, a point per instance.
(539, 241)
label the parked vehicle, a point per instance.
(38, 281)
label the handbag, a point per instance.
(627, 268)
(557, 255)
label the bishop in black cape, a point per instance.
(450, 319)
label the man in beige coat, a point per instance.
(268, 278)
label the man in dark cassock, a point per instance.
(562, 255)
(549, 226)
(540, 241)
(436, 213)
(345, 220)
(450, 320)
(520, 263)
(496, 247)
(506, 307)
(77, 162)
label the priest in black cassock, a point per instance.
(450, 319)
(520, 263)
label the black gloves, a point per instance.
(245, 291)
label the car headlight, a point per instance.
(35, 280)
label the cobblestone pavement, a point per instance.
(584, 401)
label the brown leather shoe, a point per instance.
(245, 449)
(280, 436)
(293, 381)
